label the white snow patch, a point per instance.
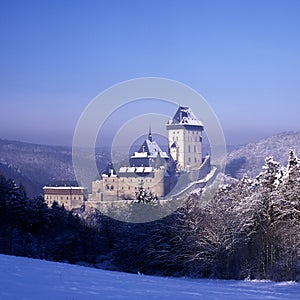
(24, 278)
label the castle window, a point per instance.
(189, 159)
(67, 198)
(111, 187)
(195, 150)
(129, 187)
(79, 198)
(195, 159)
(189, 148)
(113, 180)
(107, 187)
(122, 188)
(61, 198)
(74, 198)
(105, 180)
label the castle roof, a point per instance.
(150, 149)
(185, 117)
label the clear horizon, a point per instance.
(56, 56)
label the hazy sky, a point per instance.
(56, 56)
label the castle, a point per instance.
(150, 167)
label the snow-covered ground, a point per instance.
(24, 278)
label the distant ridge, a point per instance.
(34, 165)
(249, 159)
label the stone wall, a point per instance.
(125, 187)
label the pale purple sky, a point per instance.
(56, 56)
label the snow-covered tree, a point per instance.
(145, 196)
(272, 175)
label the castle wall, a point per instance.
(125, 187)
(192, 148)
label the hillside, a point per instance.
(249, 159)
(36, 279)
(37, 165)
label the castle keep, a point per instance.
(185, 139)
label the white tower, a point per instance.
(185, 139)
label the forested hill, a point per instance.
(35, 165)
(249, 159)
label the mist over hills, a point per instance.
(36, 165)
(249, 159)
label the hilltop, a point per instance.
(249, 159)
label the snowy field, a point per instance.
(24, 278)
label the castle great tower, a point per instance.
(185, 139)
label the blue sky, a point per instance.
(56, 56)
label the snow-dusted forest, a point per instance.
(248, 159)
(249, 229)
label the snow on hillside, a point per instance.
(249, 159)
(24, 278)
(36, 165)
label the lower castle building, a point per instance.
(67, 196)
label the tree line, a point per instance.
(249, 229)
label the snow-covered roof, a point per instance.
(122, 170)
(150, 149)
(148, 169)
(64, 187)
(139, 170)
(140, 154)
(135, 170)
(184, 116)
(130, 170)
